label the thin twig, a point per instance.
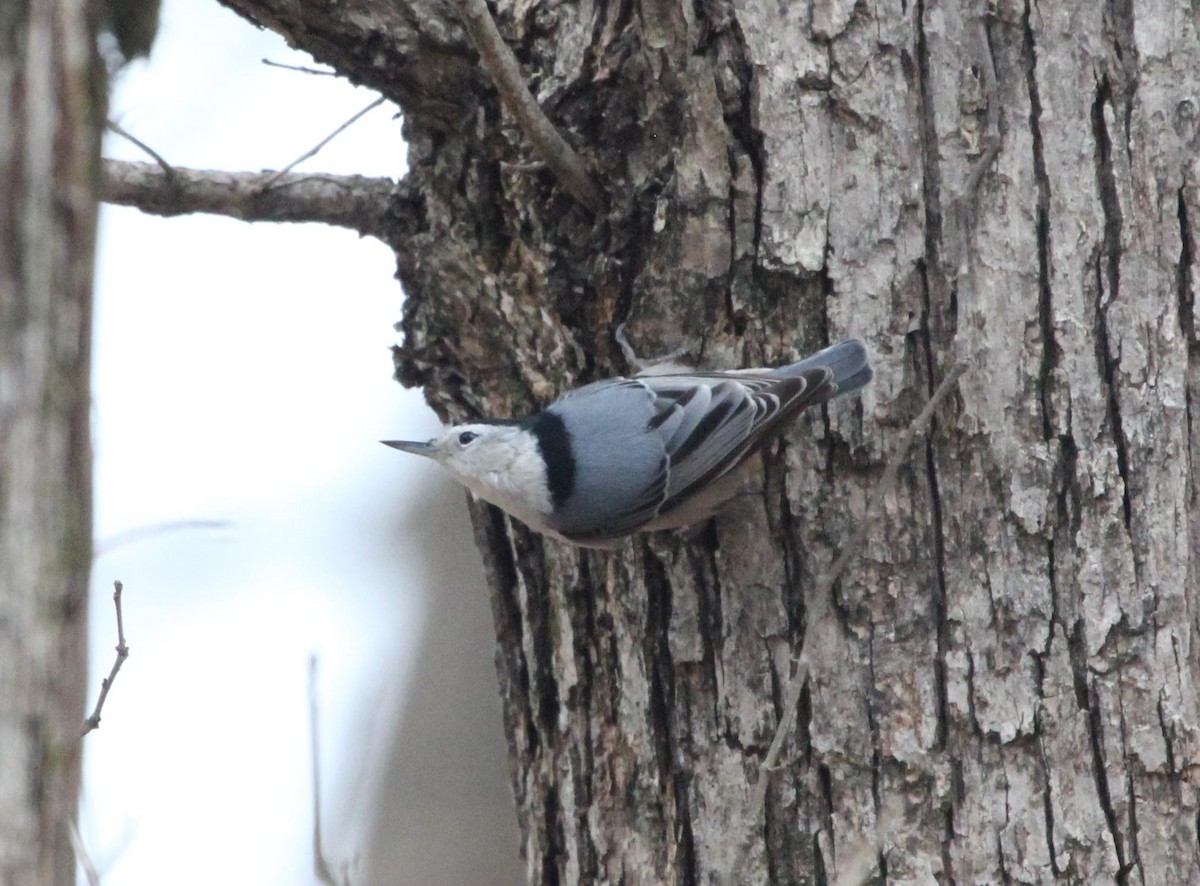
(81, 854)
(141, 533)
(300, 68)
(991, 95)
(819, 607)
(322, 143)
(166, 167)
(502, 65)
(320, 865)
(93, 722)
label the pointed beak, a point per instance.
(425, 449)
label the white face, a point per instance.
(475, 450)
(499, 463)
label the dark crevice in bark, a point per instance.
(1168, 734)
(772, 859)
(820, 870)
(1005, 876)
(737, 321)
(531, 562)
(1077, 653)
(741, 124)
(708, 605)
(1088, 699)
(929, 269)
(881, 861)
(876, 755)
(1052, 585)
(948, 821)
(633, 256)
(975, 727)
(584, 631)
(493, 234)
(685, 840)
(1135, 852)
(506, 611)
(789, 536)
(660, 672)
(1185, 277)
(1118, 16)
(825, 779)
(1184, 274)
(804, 713)
(872, 722)
(1048, 813)
(555, 848)
(820, 873)
(1043, 768)
(1049, 360)
(1100, 775)
(931, 168)
(1108, 282)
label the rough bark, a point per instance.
(52, 105)
(1006, 688)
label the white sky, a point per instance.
(242, 375)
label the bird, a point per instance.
(656, 450)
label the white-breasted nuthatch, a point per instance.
(655, 451)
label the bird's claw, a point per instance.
(656, 366)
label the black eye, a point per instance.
(466, 437)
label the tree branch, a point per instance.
(362, 204)
(501, 64)
(93, 722)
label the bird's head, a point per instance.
(498, 461)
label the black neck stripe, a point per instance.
(555, 445)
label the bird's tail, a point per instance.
(847, 360)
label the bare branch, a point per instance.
(818, 610)
(362, 204)
(141, 533)
(93, 722)
(501, 64)
(322, 143)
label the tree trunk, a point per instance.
(1005, 686)
(52, 108)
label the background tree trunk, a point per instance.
(52, 107)
(1005, 687)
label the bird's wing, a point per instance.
(651, 442)
(620, 480)
(709, 423)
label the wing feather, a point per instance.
(707, 436)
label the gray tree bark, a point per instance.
(1005, 688)
(52, 107)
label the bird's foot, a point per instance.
(656, 366)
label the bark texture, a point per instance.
(52, 108)
(1006, 688)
